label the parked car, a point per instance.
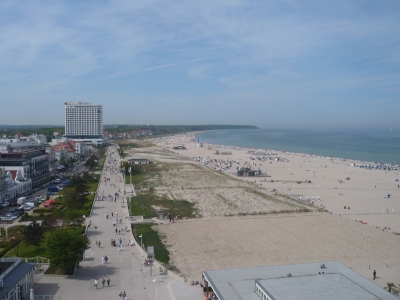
(27, 207)
(17, 213)
(12, 216)
(5, 204)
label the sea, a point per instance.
(370, 145)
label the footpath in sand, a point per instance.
(239, 226)
(124, 268)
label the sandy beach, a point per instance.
(251, 221)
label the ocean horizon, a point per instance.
(371, 145)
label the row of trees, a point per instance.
(64, 247)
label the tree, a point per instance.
(33, 234)
(71, 198)
(74, 219)
(63, 160)
(65, 249)
(51, 223)
(92, 161)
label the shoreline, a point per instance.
(207, 177)
(330, 183)
(361, 161)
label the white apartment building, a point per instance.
(83, 120)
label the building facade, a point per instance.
(83, 120)
(31, 160)
(16, 279)
(13, 188)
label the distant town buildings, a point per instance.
(127, 135)
(69, 148)
(83, 120)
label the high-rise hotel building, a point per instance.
(83, 120)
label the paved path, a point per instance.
(124, 268)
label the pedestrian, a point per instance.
(120, 296)
(99, 244)
(124, 294)
(108, 281)
(116, 213)
(103, 282)
(374, 274)
(105, 258)
(95, 283)
(116, 230)
(96, 244)
(112, 214)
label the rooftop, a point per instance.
(300, 281)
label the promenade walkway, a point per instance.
(124, 268)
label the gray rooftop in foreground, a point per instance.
(338, 283)
(15, 275)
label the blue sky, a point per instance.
(280, 64)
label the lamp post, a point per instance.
(130, 174)
(141, 244)
(156, 281)
(124, 181)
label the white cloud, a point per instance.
(59, 49)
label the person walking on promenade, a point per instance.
(103, 282)
(99, 243)
(116, 230)
(108, 281)
(105, 258)
(374, 274)
(96, 244)
(96, 283)
(124, 295)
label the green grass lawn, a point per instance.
(141, 205)
(31, 251)
(92, 186)
(151, 238)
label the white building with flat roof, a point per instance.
(312, 281)
(83, 120)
